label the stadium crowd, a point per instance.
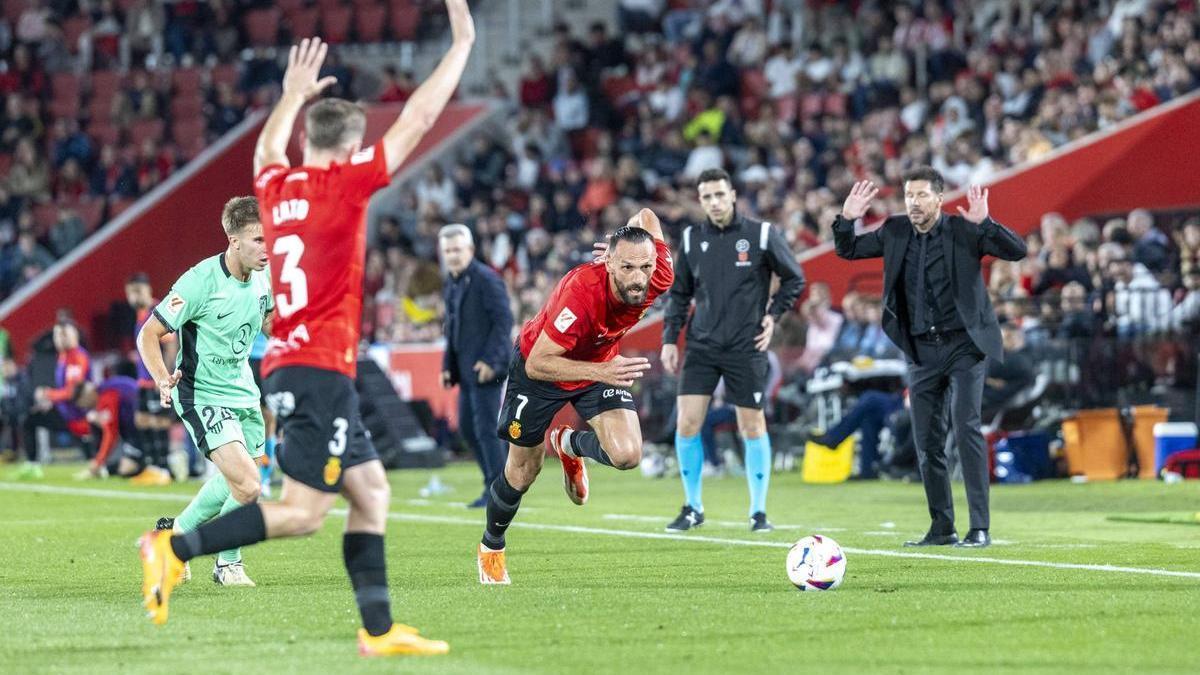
(798, 100)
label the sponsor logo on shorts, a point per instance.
(565, 318)
(514, 430)
(333, 470)
(625, 396)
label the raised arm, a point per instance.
(847, 244)
(428, 101)
(300, 85)
(994, 238)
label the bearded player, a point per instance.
(314, 219)
(568, 354)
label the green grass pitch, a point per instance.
(602, 588)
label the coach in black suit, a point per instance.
(478, 344)
(937, 311)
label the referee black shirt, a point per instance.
(728, 273)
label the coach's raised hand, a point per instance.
(859, 200)
(622, 370)
(977, 202)
(304, 64)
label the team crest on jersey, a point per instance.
(704, 247)
(743, 250)
(565, 318)
(333, 471)
(514, 430)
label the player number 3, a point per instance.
(291, 248)
(338, 445)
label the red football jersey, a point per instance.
(315, 225)
(583, 316)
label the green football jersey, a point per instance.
(216, 317)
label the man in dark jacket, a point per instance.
(936, 309)
(726, 264)
(478, 333)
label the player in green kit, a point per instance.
(217, 308)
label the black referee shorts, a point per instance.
(745, 375)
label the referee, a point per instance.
(726, 264)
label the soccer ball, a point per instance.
(816, 563)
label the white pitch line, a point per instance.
(578, 529)
(719, 523)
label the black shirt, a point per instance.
(927, 283)
(727, 271)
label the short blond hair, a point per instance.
(239, 213)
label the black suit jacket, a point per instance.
(484, 325)
(966, 243)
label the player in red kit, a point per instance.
(568, 354)
(314, 224)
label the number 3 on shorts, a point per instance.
(520, 406)
(338, 445)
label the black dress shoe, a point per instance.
(931, 539)
(975, 539)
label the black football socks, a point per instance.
(502, 503)
(366, 564)
(240, 527)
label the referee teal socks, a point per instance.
(758, 471)
(689, 450)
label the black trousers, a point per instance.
(478, 409)
(949, 366)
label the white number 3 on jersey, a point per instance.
(290, 275)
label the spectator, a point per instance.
(1150, 246)
(571, 106)
(397, 86)
(824, 326)
(536, 88)
(1077, 317)
(1007, 378)
(29, 177)
(706, 155)
(226, 110)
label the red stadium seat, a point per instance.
(143, 129)
(63, 108)
(835, 104)
(302, 23)
(329, 4)
(289, 6)
(369, 22)
(360, 4)
(186, 106)
(811, 105)
(66, 87)
(335, 24)
(192, 147)
(91, 212)
(262, 26)
(44, 217)
(104, 132)
(406, 19)
(13, 9)
(226, 73)
(187, 80)
(5, 163)
(105, 83)
(184, 132)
